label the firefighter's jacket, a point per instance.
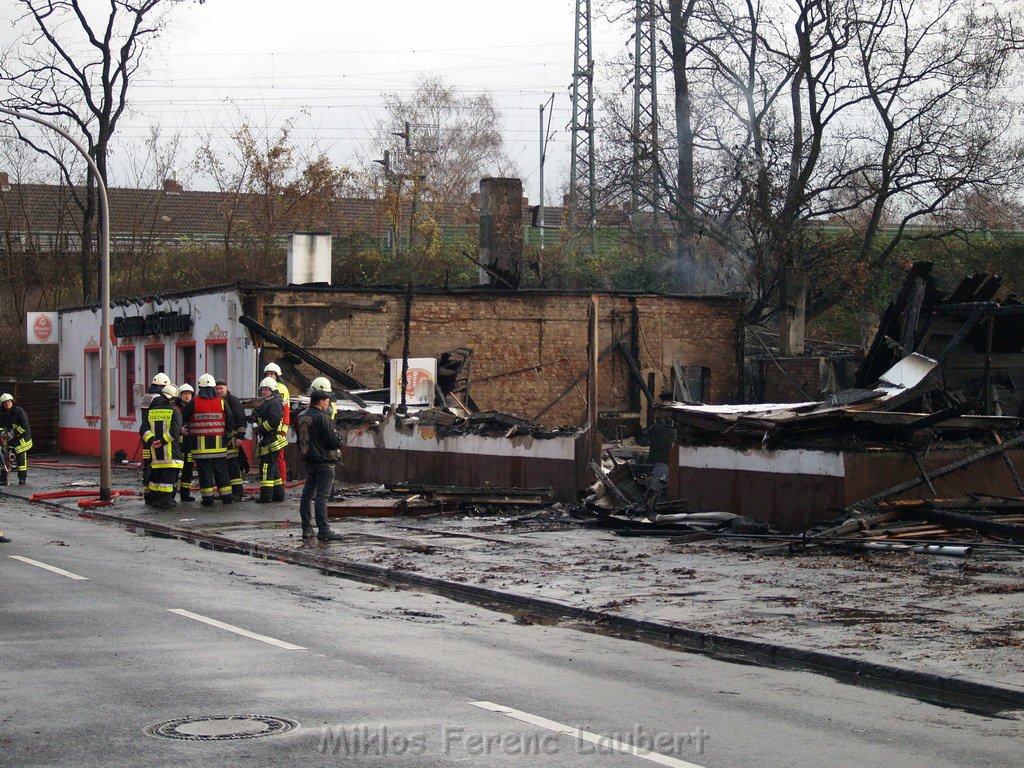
(152, 392)
(15, 421)
(210, 425)
(269, 417)
(163, 425)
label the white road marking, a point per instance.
(603, 742)
(236, 630)
(52, 568)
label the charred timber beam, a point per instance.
(982, 525)
(292, 348)
(634, 370)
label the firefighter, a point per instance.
(185, 394)
(235, 445)
(162, 435)
(14, 421)
(323, 384)
(153, 390)
(267, 419)
(211, 426)
(273, 371)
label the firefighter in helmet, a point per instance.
(273, 371)
(234, 461)
(159, 381)
(185, 394)
(14, 421)
(268, 417)
(211, 425)
(162, 438)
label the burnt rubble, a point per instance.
(938, 387)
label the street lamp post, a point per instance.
(105, 493)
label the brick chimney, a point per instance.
(173, 187)
(5, 182)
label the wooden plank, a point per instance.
(380, 508)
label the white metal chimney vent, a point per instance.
(309, 258)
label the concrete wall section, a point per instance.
(794, 489)
(416, 455)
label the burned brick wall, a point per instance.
(528, 347)
(794, 379)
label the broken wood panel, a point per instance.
(792, 489)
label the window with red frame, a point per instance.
(186, 364)
(126, 383)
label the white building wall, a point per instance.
(214, 324)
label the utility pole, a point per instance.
(581, 169)
(544, 136)
(106, 493)
(397, 169)
(645, 182)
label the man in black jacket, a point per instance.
(319, 445)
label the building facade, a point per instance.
(183, 335)
(526, 350)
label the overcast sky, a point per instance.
(325, 63)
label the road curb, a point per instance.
(947, 690)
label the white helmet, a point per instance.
(169, 391)
(162, 379)
(6, 398)
(269, 383)
(320, 383)
(185, 388)
(207, 380)
(272, 368)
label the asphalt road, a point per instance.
(153, 630)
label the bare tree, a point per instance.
(820, 133)
(441, 142)
(267, 189)
(75, 65)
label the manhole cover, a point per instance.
(221, 727)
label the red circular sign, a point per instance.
(412, 380)
(42, 328)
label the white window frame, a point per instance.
(67, 387)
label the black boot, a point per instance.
(22, 476)
(266, 496)
(208, 501)
(238, 492)
(226, 498)
(186, 494)
(278, 493)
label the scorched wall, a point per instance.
(528, 346)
